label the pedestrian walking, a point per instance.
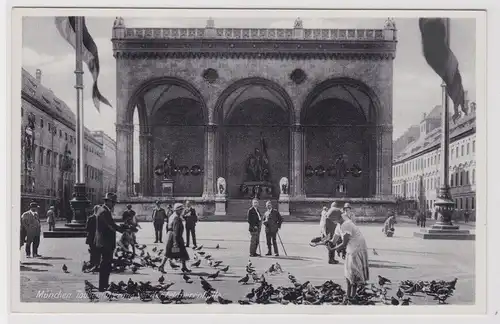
(423, 219)
(105, 238)
(190, 219)
(466, 216)
(95, 257)
(254, 220)
(175, 248)
(31, 223)
(51, 218)
(159, 217)
(418, 218)
(356, 269)
(272, 222)
(128, 238)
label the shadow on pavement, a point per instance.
(53, 258)
(386, 266)
(292, 258)
(25, 268)
(37, 263)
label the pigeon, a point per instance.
(206, 285)
(217, 263)
(164, 298)
(394, 301)
(244, 280)
(217, 247)
(208, 257)
(210, 263)
(400, 293)
(134, 268)
(223, 301)
(375, 252)
(90, 295)
(251, 294)
(201, 253)
(244, 302)
(65, 268)
(292, 278)
(173, 265)
(382, 281)
(215, 275)
(406, 302)
(225, 269)
(272, 269)
(196, 264)
(141, 247)
(178, 298)
(199, 248)
(90, 286)
(161, 279)
(209, 299)
(187, 279)
(452, 283)
(111, 296)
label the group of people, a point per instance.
(271, 220)
(31, 228)
(101, 234)
(340, 234)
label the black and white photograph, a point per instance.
(248, 159)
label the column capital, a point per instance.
(129, 128)
(146, 136)
(297, 128)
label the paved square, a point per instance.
(399, 258)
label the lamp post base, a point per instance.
(444, 228)
(80, 205)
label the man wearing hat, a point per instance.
(254, 220)
(30, 224)
(105, 238)
(348, 214)
(159, 217)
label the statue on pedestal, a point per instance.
(284, 186)
(221, 186)
(168, 167)
(257, 167)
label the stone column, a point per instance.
(384, 161)
(123, 158)
(209, 165)
(297, 165)
(146, 163)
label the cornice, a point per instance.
(254, 49)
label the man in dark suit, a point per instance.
(254, 225)
(191, 219)
(105, 238)
(272, 223)
(159, 218)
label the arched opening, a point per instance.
(168, 117)
(338, 118)
(255, 115)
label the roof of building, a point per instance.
(465, 124)
(51, 104)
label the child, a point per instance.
(128, 238)
(51, 218)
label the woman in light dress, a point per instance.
(356, 262)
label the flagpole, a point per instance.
(444, 203)
(79, 203)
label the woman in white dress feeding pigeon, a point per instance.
(175, 249)
(356, 261)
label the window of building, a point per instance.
(49, 126)
(22, 111)
(468, 148)
(41, 122)
(473, 176)
(65, 136)
(462, 150)
(40, 156)
(452, 180)
(456, 155)
(473, 146)
(467, 179)
(54, 161)
(466, 203)
(473, 203)
(452, 153)
(456, 179)
(48, 157)
(60, 133)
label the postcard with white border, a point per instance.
(248, 161)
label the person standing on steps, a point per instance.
(51, 218)
(105, 238)
(254, 226)
(272, 222)
(159, 217)
(191, 219)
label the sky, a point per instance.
(416, 88)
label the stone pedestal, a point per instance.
(167, 188)
(257, 189)
(81, 208)
(220, 205)
(284, 205)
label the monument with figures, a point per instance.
(167, 170)
(257, 184)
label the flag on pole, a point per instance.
(66, 27)
(439, 56)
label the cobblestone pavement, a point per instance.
(398, 258)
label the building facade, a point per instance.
(49, 148)
(108, 161)
(416, 167)
(261, 108)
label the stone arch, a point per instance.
(218, 113)
(354, 104)
(144, 87)
(371, 114)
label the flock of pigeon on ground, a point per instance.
(305, 293)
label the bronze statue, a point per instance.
(168, 167)
(257, 166)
